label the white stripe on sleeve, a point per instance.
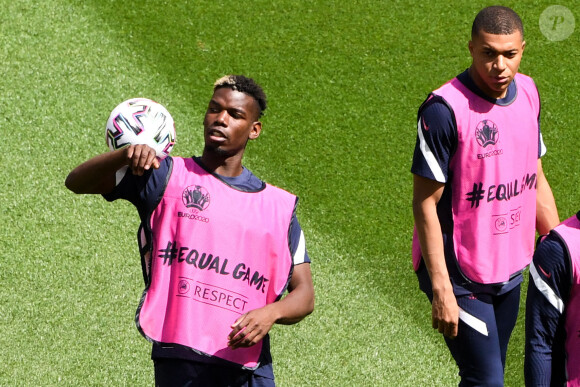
(543, 149)
(300, 252)
(120, 174)
(546, 290)
(429, 157)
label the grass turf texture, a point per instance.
(344, 80)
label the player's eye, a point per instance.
(236, 114)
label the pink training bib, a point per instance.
(493, 176)
(217, 253)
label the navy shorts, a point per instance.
(185, 373)
(486, 322)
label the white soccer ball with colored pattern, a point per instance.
(141, 121)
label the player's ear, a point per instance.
(256, 130)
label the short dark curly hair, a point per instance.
(245, 85)
(497, 20)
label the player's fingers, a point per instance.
(142, 159)
(152, 160)
(450, 330)
(129, 152)
(234, 333)
(238, 339)
(437, 321)
(145, 159)
(252, 338)
(237, 327)
(247, 340)
(134, 159)
(454, 331)
(149, 160)
(237, 324)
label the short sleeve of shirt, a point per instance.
(142, 191)
(436, 140)
(542, 151)
(297, 242)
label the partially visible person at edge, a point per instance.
(479, 195)
(219, 247)
(553, 309)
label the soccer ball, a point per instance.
(141, 121)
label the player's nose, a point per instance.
(222, 118)
(500, 63)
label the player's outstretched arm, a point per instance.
(444, 309)
(546, 212)
(251, 327)
(97, 175)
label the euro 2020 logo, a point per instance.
(486, 133)
(195, 196)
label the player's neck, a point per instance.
(229, 166)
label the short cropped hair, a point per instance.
(497, 20)
(244, 85)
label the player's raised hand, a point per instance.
(141, 158)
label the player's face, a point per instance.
(496, 60)
(230, 121)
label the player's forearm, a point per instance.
(299, 302)
(426, 196)
(293, 308)
(444, 309)
(546, 211)
(431, 241)
(96, 175)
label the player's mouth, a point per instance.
(216, 135)
(501, 80)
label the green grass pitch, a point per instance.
(344, 80)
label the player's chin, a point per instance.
(217, 149)
(500, 84)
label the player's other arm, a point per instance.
(547, 295)
(251, 327)
(445, 312)
(97, 175)
(546, 212)
(299, 302)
